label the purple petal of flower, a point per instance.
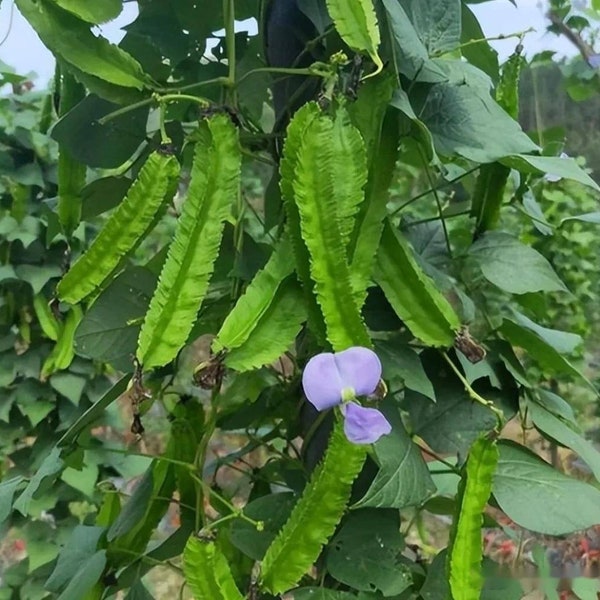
(359, 369)
(594, 61)
(364, 425)
(321, 381)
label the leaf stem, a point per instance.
(472, 393)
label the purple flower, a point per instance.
(333, 379)
(594, 61)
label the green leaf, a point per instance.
(454, 421)
(93, 412)
(71, 39)
(69, 385)
(110, 328)
(488, 195)
(7, 492)
(275, 332)
(140, 516)
(565, 434)
(256, 300)
(273, 510)
(125, 228)
(460, 113)
(43, 478)
(366, 554)
(207, 572)
(538, 349)
(138, 591)
(317, 173)
(437, 23)
(356, 22)
(413, 295)
(524, 482)
(185, 275)
(92, 12)
(84, 580)
(562, 341)
(413, 58)
(513, 266)
(466, 581)
(402, 366)
(566, 168)
(95, 144)
(79, 548)
(586, 218)
(403, 478)
(315, 516)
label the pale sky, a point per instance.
(23, 50)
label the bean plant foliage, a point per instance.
(317, 323)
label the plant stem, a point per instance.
(472, 393)
(229, 16)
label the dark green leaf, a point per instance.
(366, 554)
(85, 578)
(273, 510)
(96, 145)
(403, 478)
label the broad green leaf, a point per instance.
(110, 328)
(586, 218)
(403, 478)
(190, 262)
(356, 22)
(141, 514)
(412, 294)
(72, 40)
(256, 300)
(524, 482)
(43, 478)
(566, 168)
(92, 12)
(562, 341)
(95, 144)
(513, 266)
(316, 177)
(126, 227)
(207, 572)
(538, 348)
(466, 581)
(274, 332)
(460, 113)
(437, 23)
(85, 578)
(314, 517)
(402, 367)
(273, 511)
(71, 173)
(93, 413)
(565, 434)
(454, 421)
(413, 58)
(7, 492)
(366, 554)
(80, 547)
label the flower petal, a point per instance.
(364, 425)
(321, 381)
(360, 369)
